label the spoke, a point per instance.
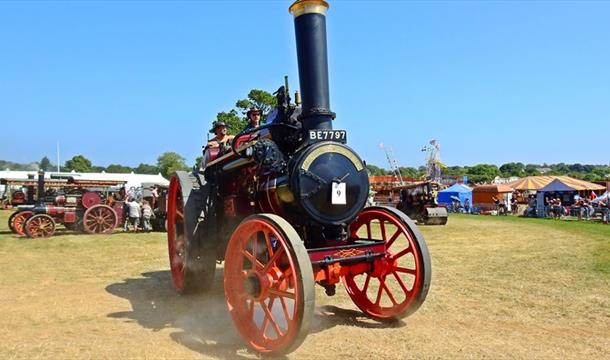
(271, 319)
(273, 259)
(393, 238)
(366, 282)
(255, 247)
(379, 293)
(282, 293)
(382, 229)
(253, 261)
(268, 242)
(287, 273)
(401, 283)
(179, 214)
(250, 309)
(405, 270)
(387, 290)
(368, 230)
(285, 308)
(403, 252)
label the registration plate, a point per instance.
(328, 135)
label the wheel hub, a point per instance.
(384, 266)
(256, 285)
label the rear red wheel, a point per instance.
(269, 284)
(99, 219)
(19, 222)
(398, 283)
(190, 235)
(40, 226)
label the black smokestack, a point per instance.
(310, 30)
(40, 185)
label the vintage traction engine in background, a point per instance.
(75, 207)
(284, 207)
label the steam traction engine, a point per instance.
(284, 209)
(76, 209)
(417, 200)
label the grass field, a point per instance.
(501, 288)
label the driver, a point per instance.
(254, 118)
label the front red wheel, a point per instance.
(40, 226)
(19, 222)
(398, 283)
(269, 284)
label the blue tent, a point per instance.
(459, 191)
(557, 186)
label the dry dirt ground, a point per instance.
(501, 288)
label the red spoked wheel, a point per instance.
(19, 220)
(191, 248)
(40, 226)
(99, 219)
(269, 285)
(398, 283)
(11, 220)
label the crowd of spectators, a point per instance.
(582, 208)
(137, 215)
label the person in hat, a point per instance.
(254, 118)
(221, 139)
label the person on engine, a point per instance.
(254, 118)
(221, 139)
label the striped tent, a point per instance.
(530, 183)
(538, 182)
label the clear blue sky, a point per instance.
(493, 82)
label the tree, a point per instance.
(455, 171)
(256, 98)
(146, 169)
(410, 172)
(168, 162)
(78, 163)
(234, 123)
(512, 169)
(45, 163)
(98, 169)
(118, 169)
(483, 173)
(260, 99)
(375, 170)
(531, 170)
(198, 161)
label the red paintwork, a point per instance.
(175, 235)
(276, 271)
(391, 269)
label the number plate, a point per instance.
(328, 135)
(338, 196)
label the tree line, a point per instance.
(488, 172)
(169, 162)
